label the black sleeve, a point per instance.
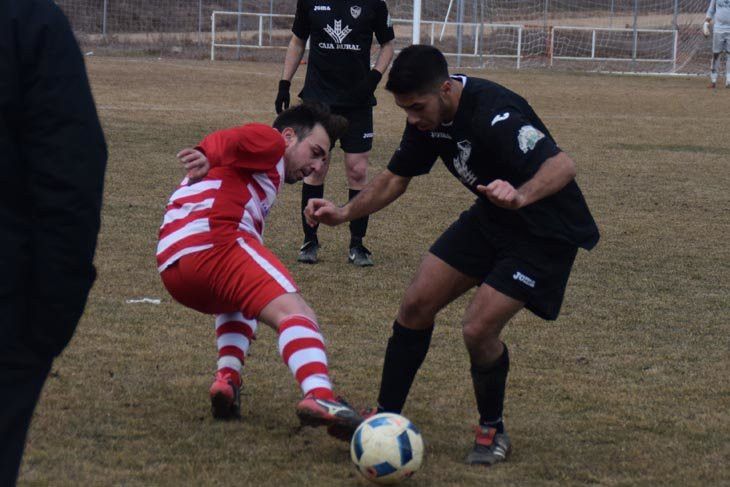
(382, 26)
(63, 146)
(517, 141)
(300, 28)
(414, 156)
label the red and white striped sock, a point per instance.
(301, 345)
(233, 334)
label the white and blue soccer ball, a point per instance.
(387, 448)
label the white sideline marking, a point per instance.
(144, 300)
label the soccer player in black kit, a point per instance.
(340, 34)
(516, 243)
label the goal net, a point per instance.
(600, 35)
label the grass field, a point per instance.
(629, 387)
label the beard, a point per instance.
(290, 178)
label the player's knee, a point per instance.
(415, 312)
(357, 174)
(284, 306)
(481, 333)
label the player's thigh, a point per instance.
(242, 275)
(457, 261)
(358, 138)
(488, 313)
(435, 285)
(533, 271)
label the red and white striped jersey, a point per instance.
(247, 171)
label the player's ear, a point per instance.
(445, 87)
(290, 136)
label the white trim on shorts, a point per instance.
(271, 270)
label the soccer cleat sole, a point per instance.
(341, 426)
(475, 459)
(359, 263)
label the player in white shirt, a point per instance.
(719, 13)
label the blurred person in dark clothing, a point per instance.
(52, 161)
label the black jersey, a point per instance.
(340, 35)
(495, 134)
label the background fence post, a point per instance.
(459, 30)
(636, 33)
(103, 20)
(238, 30)
(200, 21)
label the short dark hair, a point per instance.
(303, 117)
(417, 69)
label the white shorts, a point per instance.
(720, 42)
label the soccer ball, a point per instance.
(387, 448)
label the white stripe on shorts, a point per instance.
(270, 269)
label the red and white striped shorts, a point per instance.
(241, 276)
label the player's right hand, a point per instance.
(282, 97)
(195, 164)
(323, 211)
(706, 28)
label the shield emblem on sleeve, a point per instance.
(355, 11)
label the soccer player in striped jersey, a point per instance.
(212, 259)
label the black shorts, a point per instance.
(515, 263)
(359, 135)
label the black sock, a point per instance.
(405, 353)
(358, 227)
(489, 386)
(310, 191)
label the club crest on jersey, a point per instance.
(338, 33)
(528, 138)
(355, 11)
(460, 161)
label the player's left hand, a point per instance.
(195, 163)
(502, 194)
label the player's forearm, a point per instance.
(294, 54)
(385, 56)
(385, 188)
(552, 176)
